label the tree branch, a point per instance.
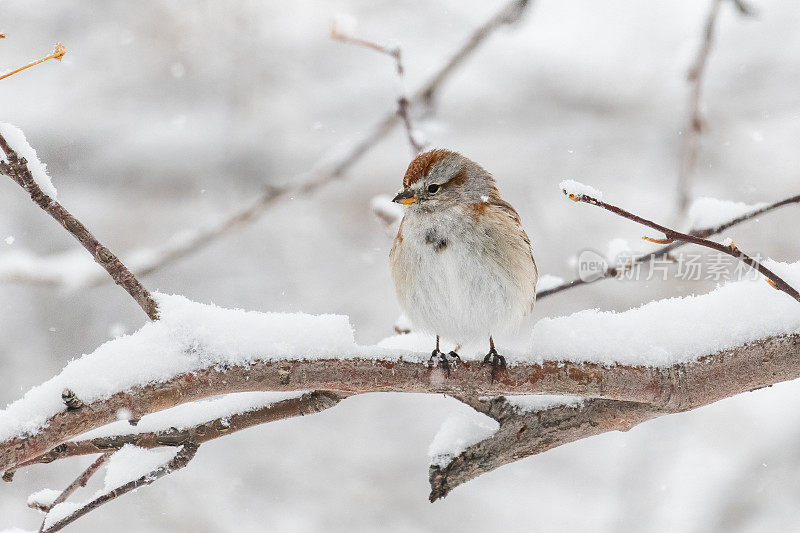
(80, 481)
(402, 101)
(17, 169)
(690, 146)
(58, 52)
(676, 388)
(671, 235)
(523, 434)
(308, 404)
(612, 271)
(181, 459)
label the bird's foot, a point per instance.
(446, 360)
(496, 360)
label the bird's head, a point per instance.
(441, 178)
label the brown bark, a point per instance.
(308, 404)
(181, 459)
(17, 169)
(524, 434)
(673, 389)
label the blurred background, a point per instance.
(165, 116)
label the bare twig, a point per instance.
(80, 481)
(671, 235)
(325, 173)
(677, 388)
(181, 459)
(690, 145)
(308, 404)
(58, 53)
(664, 251)
(396, 53)
(17, 169)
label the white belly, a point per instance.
(450, 284)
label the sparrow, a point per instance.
(461, 263)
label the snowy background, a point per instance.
(164, 116)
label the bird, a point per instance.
(461, 263)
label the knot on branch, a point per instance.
(103, 255)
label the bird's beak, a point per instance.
(406, 197)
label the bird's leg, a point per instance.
(494, 358)
(443, 361)
(435, 353)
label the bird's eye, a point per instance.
(433, 188)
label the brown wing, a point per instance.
(513, 225)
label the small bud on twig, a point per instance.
(71, 400)
(58, 52)
(658, 241)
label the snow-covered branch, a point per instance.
(523, 433)
(170, 428)
(57, 518)
(669, 389)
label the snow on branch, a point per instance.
(710, 212)
(193, 422)
(522, 434)
(38, 170)
(65, 513)
(196, 351)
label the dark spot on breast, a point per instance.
(432, 238)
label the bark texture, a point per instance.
(672, 389)
(17, 170)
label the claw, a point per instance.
(444, 363)
(495, 359)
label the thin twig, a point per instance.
(612, 271)
(79, 481)
(308, 404)
(396, 53)
(671, 235)
(181, 459)
(58, 53)
(17, 169)
(690, 145)
(325, 173)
